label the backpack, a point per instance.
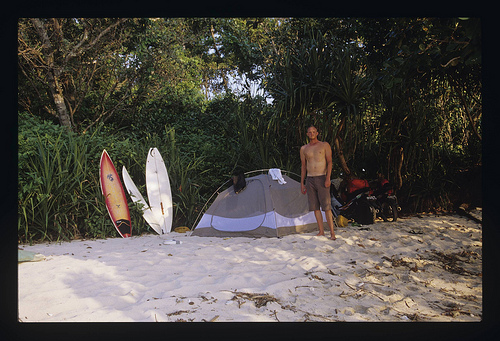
(364, 213)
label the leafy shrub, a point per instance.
(59, 194)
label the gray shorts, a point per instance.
(317, 193)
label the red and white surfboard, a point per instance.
(113, 192)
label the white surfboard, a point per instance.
(159, 193)
(137, 197)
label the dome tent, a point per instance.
(265, 208)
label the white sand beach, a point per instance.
(423, 268)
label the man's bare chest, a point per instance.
(315, 152)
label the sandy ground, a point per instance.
(424, 268)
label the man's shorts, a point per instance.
(317, 193)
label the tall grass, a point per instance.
(59, 194)
(57, 181)
(184, 170)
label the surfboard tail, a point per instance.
(123, 227)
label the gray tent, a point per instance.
(265, 208)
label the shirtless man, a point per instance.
(316, 159)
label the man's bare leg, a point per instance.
(329, 221)
(319, 220)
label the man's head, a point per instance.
(312, 133)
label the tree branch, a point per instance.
(79, 48)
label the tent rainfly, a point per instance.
(265, 208)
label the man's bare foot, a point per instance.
(333, 238)
(320, 234)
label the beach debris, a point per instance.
(206, 299)
(179, 312)
(259, 300)
(409, 302)
(449, 261)
(182, 229)
(357, 294)
(313, 276)
(395, 261)
(475, 214)
(415, 232)
(275, 314)
(457, 312)
(453, 309)
(27, 256)
(182, 320)
(350, 286)
(415, 317)
(172, 242)
(213, 319)
(307, 317)
(471, 298)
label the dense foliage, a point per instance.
(398, 96)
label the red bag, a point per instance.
(356, 184)
(353, 185)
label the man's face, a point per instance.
(312, 133)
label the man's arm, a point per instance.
(303, 170)
(328, 156)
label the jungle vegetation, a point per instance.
(400, 96)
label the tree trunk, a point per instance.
(397, 157)
(62, 111)
(340, 154)
(338, 149)
(53, 77)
